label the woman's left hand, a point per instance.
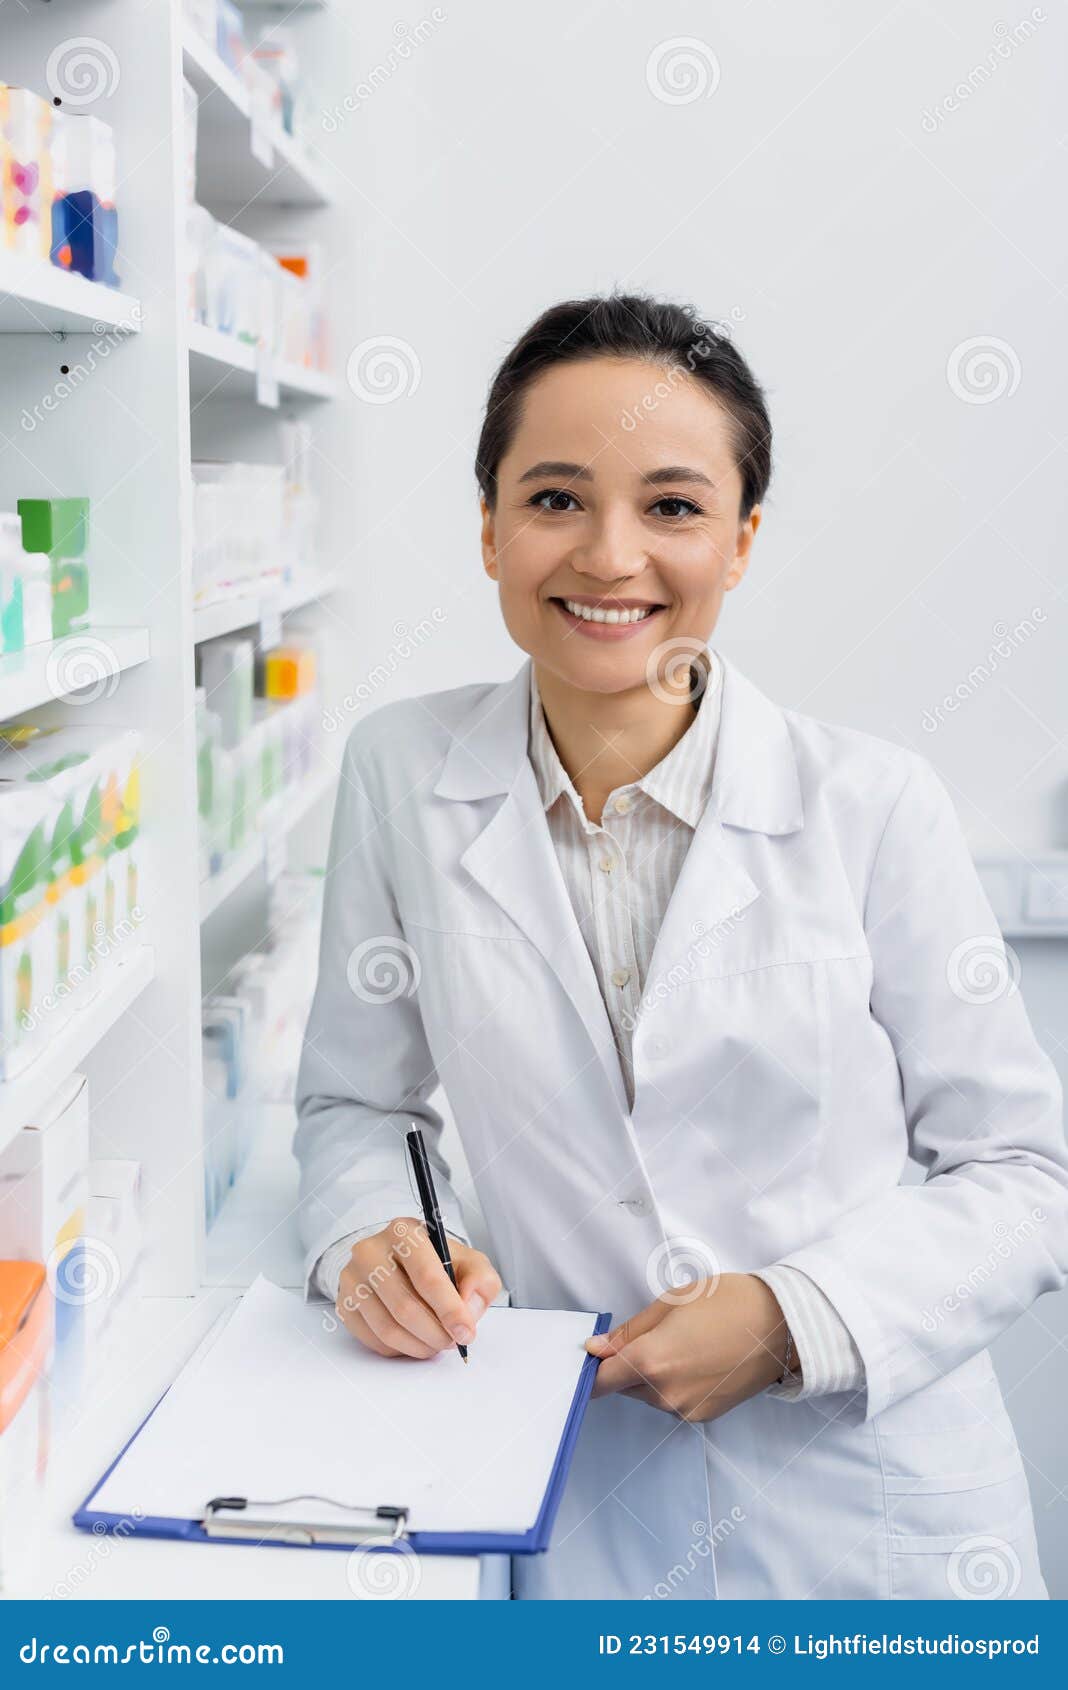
(698, 1351)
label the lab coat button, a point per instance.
(657, 1047)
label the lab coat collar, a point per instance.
(755, 784)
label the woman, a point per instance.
(693, 971)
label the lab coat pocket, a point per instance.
(957, 1506)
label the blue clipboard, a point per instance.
(531, 1542)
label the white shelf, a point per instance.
(228, 173)
(1028, 893)
(219, 363)
(228, 615)
(37, 297)
(63, 668)
(23, 1096)
(289, 808)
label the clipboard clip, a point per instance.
(383, 1526)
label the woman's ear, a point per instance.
(746, 533)
(489, 541)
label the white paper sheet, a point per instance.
(278, 1404)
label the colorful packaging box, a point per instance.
(25, 1348)
(85, 222)
(288, 671)
(26, 192)
(60, 529)
(69, 873)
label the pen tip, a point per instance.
(464, 1358)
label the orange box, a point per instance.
(25, 1333)
(288, 671)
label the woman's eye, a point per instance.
(554, 499)
(679, 507)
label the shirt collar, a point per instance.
(680, 782)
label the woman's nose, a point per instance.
(612, 551)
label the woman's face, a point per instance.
(617, 523)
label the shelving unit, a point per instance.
(1028, 894)
(38, 298)
(153, 391)
(220, 364)
(288, 811)
(243, 160)
(89, 661)
(227, 616)
(23, 1095)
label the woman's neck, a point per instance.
(609, 739)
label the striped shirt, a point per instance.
(619, 876)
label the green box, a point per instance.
(60, 528)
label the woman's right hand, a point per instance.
(396, 1298)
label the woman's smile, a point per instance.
(600, 618)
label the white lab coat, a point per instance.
(816, 1007)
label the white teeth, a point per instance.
(593, 613)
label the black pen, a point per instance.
(428, 1197)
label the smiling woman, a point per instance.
(683, 962)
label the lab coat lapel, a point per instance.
(512, 859)
(755, 787)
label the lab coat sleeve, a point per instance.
(828, 1357)
(365, 1070)
(925, 1276)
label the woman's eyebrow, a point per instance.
(677, 472)
(552, 466)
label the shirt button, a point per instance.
(621, 977)
(623, 804)
(606, 865)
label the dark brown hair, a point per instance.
(628, 325)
